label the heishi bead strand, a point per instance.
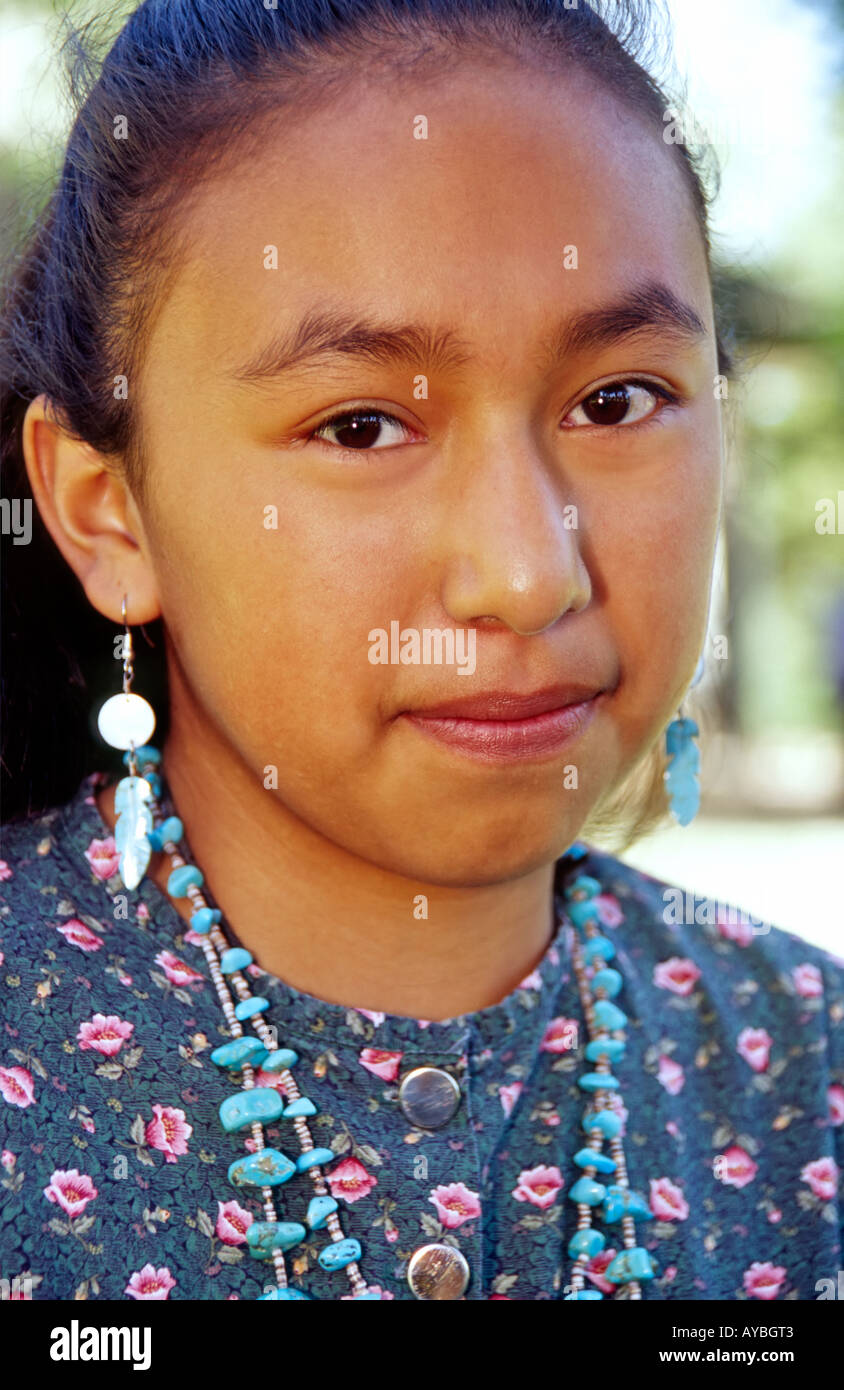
(322, 1211)
(604, 1022)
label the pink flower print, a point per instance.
(739, 932)
(5, 871)
(168, 1132)
(232, 1221)
(539, 1186)
(16, 1086)
(176, 971)
(735, 1167)
(531, 981)
(754, 1045)
(808, 981)
(193, 938)
(763, 1281)
(678, 974)
(71, 1189)
(509, 1095)
(105, 1033)
(774, 1215)
(373, 1015)
(350, 1180)
(835, 1101)
(667, 1200)
(595, 1267)
(455, 1204)
(78, 934)
(150, 1282)
(103, 857)
(392, 1234)
(608, 909)
(269, 1078)
(671, 1076)
(142, 912)
(560, 1035)
(8, 1160)
(822, 1177)
(88, 1124)
(383, 1064)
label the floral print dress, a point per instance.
(113, 1160)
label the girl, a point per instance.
(354, 340)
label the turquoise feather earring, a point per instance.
(126, 721)
(682, 773)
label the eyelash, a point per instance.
(662, 393)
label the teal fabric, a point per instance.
(732, 1086)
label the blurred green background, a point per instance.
(765, 80)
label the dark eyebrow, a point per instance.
(331, 333)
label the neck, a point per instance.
(331, 924)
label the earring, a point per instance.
(126, 721)
(682, 772)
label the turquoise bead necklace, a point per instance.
(266, 1169)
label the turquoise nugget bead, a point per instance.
(248, 1007)
(313, 1158)
(588, 1191)
(181, 879)
(610, 980)
(266, 1168)
(204, 919)
(319, 1210)
(609, 1015)
(261, 1105)
(339, 1254)
(598, 946)
(584, 1296)
(263, 1237)
(302, 1106)
(598, 1081)
(588, 1242)
(235, 959)
(584, 886)
(583, 912)
(630, 1264)
(234, 1054)
(589, 1158)
(607, 1121)
(613, 1048)
(280, 1059)
(288, 1295)
(364, 1297)
(170, 829)
(623, 1201)
(145, 754)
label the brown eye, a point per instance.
(618, 403)
(607, 406)
(358, 430)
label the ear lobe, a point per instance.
(89, 512)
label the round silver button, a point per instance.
(437, 1271)
(429, 1097)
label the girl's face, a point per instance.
(542, 242)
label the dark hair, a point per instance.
(193, 78)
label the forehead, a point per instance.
(457, 199)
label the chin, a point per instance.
(459, 860)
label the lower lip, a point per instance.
(510, 740)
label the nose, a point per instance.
(512, 544)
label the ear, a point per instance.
(92, 517)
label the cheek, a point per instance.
(654, 553)
(270, 613)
